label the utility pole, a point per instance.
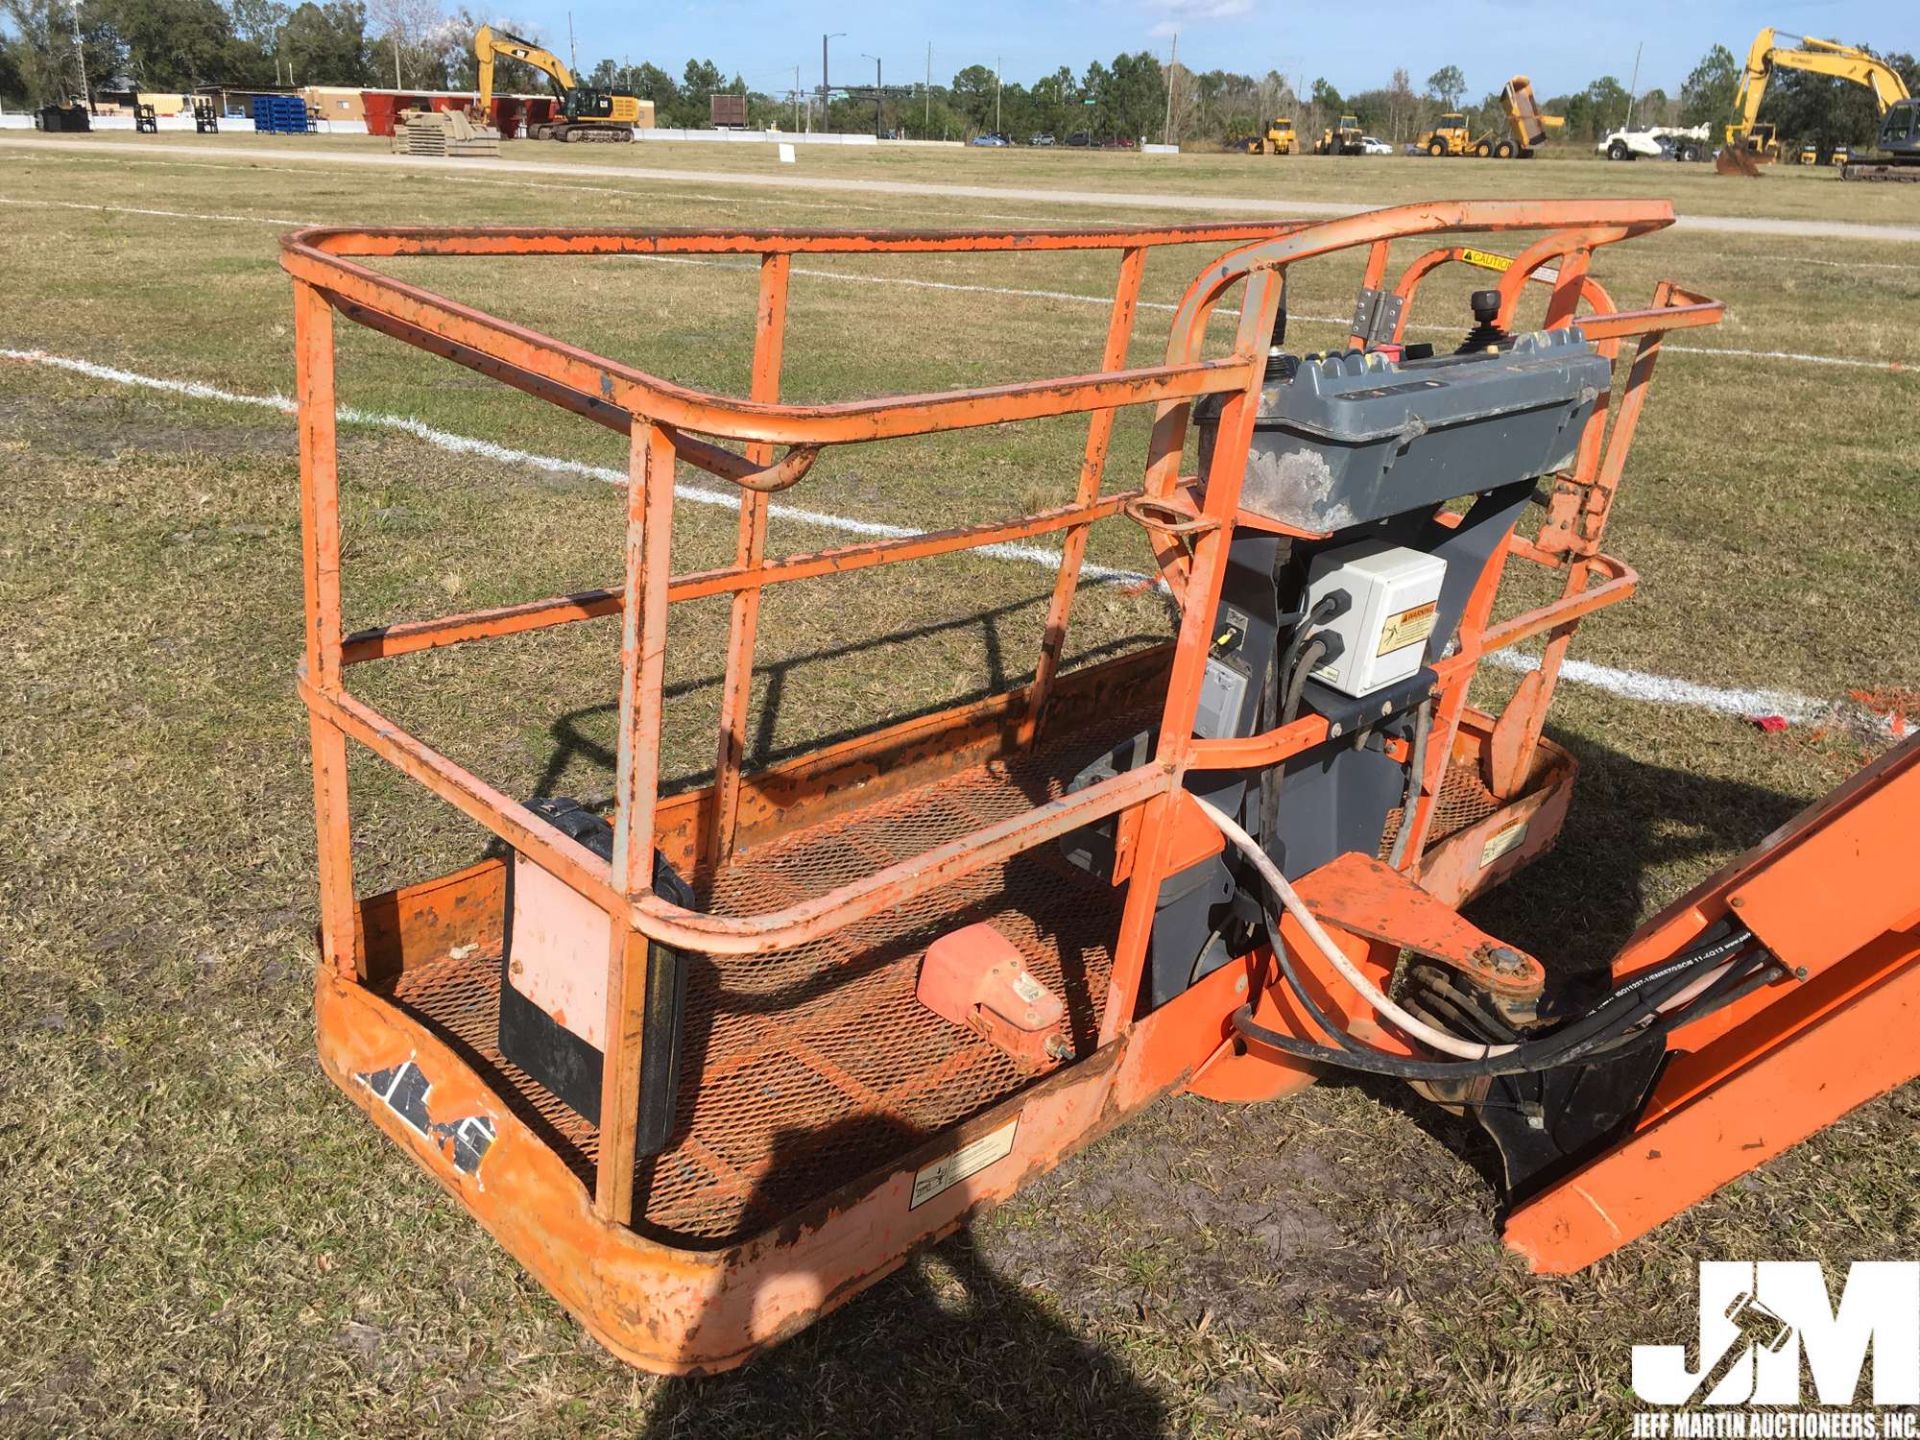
(824, 83)
(996, 94)
(926, 122)
(573, 56)
(1173, 57)
(1633, 86)
(80, 54)
(879, 122)
(796, 97)
(396, 57)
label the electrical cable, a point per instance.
(1310, 657)
(1581, 1036)
(1416, 772)
(1735, 985)
(1410, 1024)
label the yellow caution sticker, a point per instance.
(1503, 842)
(970, 1159)
(1486, 259)
(1409, 627)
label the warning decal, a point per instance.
(970, 1159)
(1409, 627)
(1486, 259)
(1504, 841)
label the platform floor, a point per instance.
(807, 1068)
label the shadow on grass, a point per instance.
(945, 1347)
(1631, 824)
(573, 742)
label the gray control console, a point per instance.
(1353, 438)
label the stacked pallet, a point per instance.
(442, 132)
(281, 115)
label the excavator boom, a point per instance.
(489, 43)
(1748, 144)
(585, 114)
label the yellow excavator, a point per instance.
(1750, 144)
(584, 114)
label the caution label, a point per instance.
(1486, 259)
(1409, 627)
(1502, 842)
(970, 1159)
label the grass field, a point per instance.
(204, 1238)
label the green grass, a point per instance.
(1782, 191)
(205, 1238)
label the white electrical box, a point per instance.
(1393, 596)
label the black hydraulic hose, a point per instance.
(1597, 1028)
(1735, 985)
(1300, 992)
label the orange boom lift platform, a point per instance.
(712, 1066)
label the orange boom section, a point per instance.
(780, 1094)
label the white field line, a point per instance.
(1070, 297)
(1628, 684)
(1664, 690)
(162, 214)
(1106, 301)
(552, 464)
(639, 191)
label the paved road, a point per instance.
(1232, 204)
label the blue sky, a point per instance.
(1356, 44)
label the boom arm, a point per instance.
(1821, 57)
(489, 43)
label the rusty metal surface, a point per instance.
(811, 1065)
(1464, 800)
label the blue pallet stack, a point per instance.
(281, 115)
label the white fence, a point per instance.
(784, 137)
(229, 124)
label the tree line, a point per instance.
(416, 44)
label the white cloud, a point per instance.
(1175, 15)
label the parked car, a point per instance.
(1080, 139)
(1369, 145)
(1119, 142)
(1041, 139)
(991, 141)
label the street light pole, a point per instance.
(996, 94)
(878, 118)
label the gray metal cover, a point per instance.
(1355, 438)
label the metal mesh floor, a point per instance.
(807, 1068)
(1464, 800)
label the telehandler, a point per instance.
(710, 1061)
